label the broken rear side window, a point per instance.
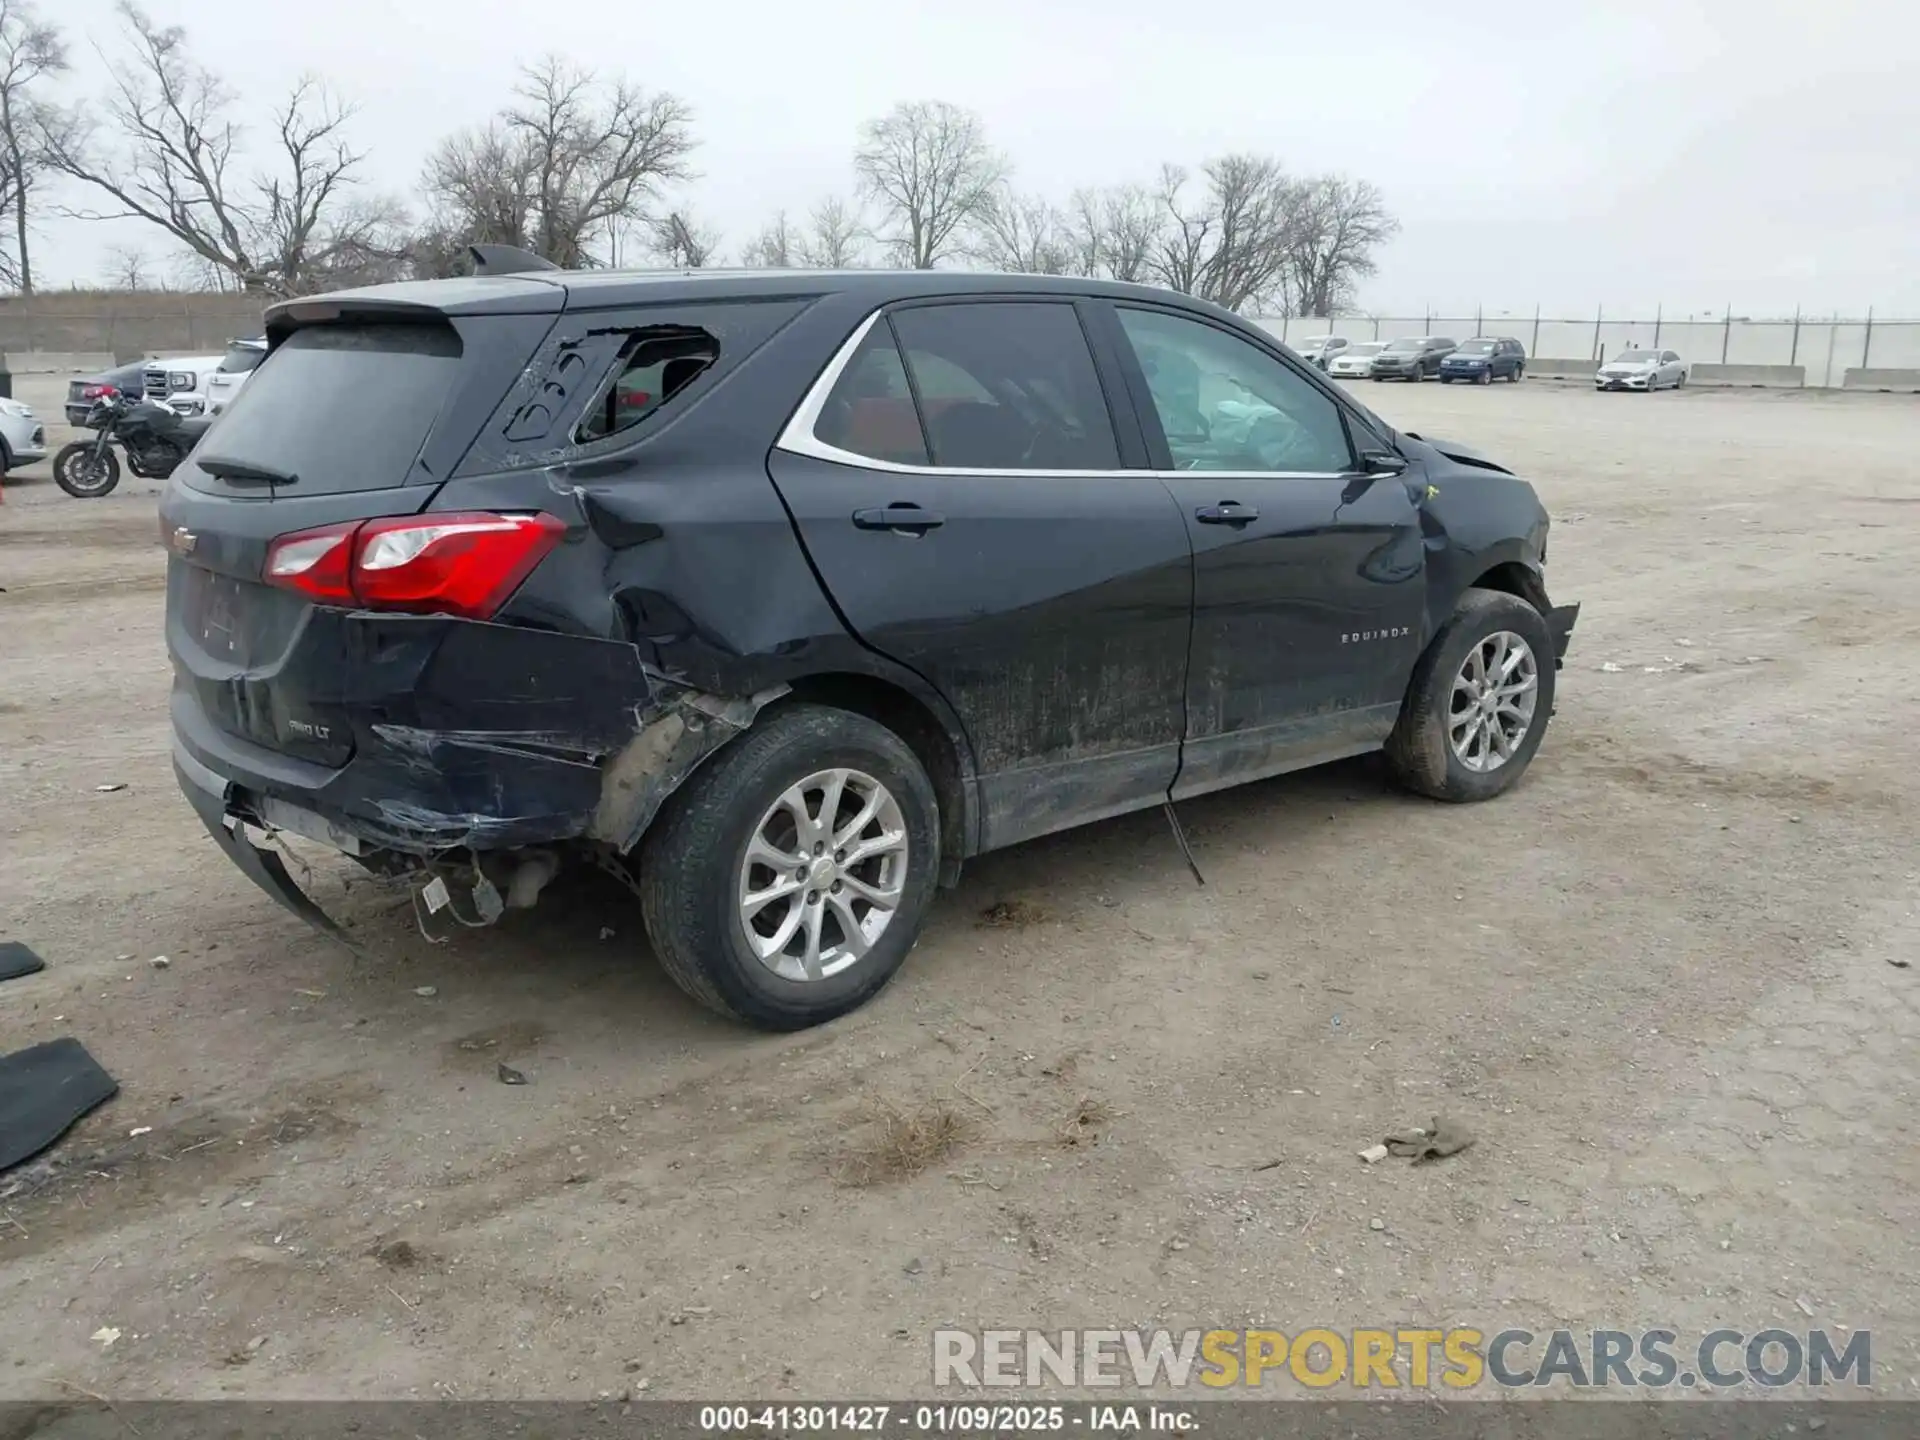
(656, 363)
(601, 378)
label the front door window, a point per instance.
(1225, 405)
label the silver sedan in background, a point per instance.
(1356, 361)
(1637, 369)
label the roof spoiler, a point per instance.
(506, 260)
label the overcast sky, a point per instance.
(1687, 152)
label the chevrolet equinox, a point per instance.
(781, 594)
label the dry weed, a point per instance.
(903, 1143)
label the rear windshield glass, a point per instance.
(342, 407)
(242, 358)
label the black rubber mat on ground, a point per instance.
(43, 1090)
(17, 960)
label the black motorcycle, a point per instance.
(155, 438)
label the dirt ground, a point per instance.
(1660, 982)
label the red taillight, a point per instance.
(315, 562)
(461, 564)
(98, 392)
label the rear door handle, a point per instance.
(908, 518)
(1227, 512)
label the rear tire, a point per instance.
(1442, 707)
(78, 472)
(698, 885)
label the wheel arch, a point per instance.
(935, 740)
(1513, 577)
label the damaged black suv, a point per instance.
(783, 593)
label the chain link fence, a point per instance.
(1821, 351)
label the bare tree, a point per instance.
(163, 146)
(1232, 244)
(1337, 224)
(30, 51)
(776, 247)
(129, 268)
(682, 243)
(188, 271)
(928, 164)
(1116, 232)
(835, 238)
(569, 164)
(1024, 234)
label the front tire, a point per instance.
(83, 474)
(784, 883)
(1478, 703)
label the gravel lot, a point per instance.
(1660, 981)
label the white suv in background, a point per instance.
(240, 361)
(179, 381)
(23, 439)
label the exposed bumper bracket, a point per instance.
(1560, 622)
(207, 793)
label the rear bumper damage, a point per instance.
(208, 794)
(468, 740)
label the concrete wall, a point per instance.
(129, 325)
(1897, 380)
(63, 363)
(1824, 350)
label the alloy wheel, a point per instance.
(1493, 701)
(823, 874)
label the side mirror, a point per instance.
(1383, 462)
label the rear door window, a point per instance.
(870, 411)
(1006, 385)
(242, 358)
(340, 407)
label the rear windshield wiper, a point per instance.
(246, 471)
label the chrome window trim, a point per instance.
(798, 438)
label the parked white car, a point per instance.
(23, 439)
(242, 359)
(1356, 361)
(1642, 370)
